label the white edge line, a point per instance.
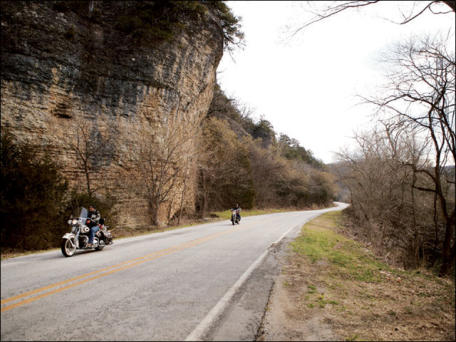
(217, 310)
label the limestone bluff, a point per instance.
(67, 62)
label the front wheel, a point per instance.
(68, 248)
(101, 245)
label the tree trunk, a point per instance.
(154, 206)
(448, 255)
(204, 204)
(183, 193)
(89, 190)
(436, 229)
(170, 207)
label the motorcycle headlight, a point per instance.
(75, 221)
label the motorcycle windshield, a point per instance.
(83, 213)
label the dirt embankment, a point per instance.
(333, 288)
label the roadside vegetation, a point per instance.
(336, 280)
(401, 177)
(32, 195)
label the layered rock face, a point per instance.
(62, 67)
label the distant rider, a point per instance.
(238, 211)
(94, 217)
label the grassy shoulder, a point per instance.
(120, 233)
(360, 297)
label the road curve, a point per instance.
(163, 286)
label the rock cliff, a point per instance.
(63, 65)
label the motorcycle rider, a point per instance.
(94, 217)
(238, 211)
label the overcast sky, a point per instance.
(307, 86)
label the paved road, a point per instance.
(176, 285)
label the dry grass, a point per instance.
(360, 297)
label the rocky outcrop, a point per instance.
(61, 66)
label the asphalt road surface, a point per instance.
(206, 282)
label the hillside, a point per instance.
(246, 161)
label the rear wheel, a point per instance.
(68, 248)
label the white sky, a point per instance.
(307, 87)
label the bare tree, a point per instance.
(185, 176)
(421, 97)
(93, 141)
(393, 215)
(160, 157)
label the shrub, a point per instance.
(32, 195)
(34, 199)
(152, 21)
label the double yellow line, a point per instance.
(72, 282)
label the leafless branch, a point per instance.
(341, 6)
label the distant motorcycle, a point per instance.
(235, 216)
(79, 236)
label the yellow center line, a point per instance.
(26, 294)
(143, 259)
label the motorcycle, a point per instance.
(79, 236)
(235, 217)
